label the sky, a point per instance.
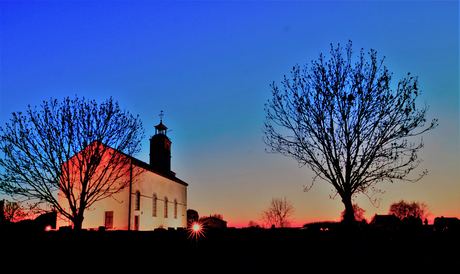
(209, 65)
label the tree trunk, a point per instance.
(78, 218)
(349, 216)
(77, 223)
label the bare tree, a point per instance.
(15, 212)
(403, 210)
(76, 148)
(345, 122)
(278, 213)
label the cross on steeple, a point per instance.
(161, 116)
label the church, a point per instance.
(155, 198)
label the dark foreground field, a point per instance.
(242, 250)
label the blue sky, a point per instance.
(208, 65)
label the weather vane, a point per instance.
(161, 116)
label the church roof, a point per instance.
(144, 165)
(161, 126)
(148, 167)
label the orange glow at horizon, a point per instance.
(301, 223)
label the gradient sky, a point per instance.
(208, 66)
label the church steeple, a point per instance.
(160, 149)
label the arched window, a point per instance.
(154, 205)
(175, 208)
(138, 200)
(166, 207)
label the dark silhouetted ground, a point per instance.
(224, 250)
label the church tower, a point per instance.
(160, 149)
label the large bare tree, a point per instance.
(347, 123)
(77, 148)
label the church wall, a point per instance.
(94, 216)
(150, 183)
(60, 219)
(147, 183)
(72, 171)
(122, 206)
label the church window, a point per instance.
(166, 207)
(136, 222)
(175, 209)
(154, 205)
(108, 219)
(138, 200)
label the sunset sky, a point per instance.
(208, 65)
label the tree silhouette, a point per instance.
(77, 148)
(15, 212)
(278, 213)
(345, 122)
(253, 224)
(403, 210)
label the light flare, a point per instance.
(195, 231)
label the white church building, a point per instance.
(156, 198)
